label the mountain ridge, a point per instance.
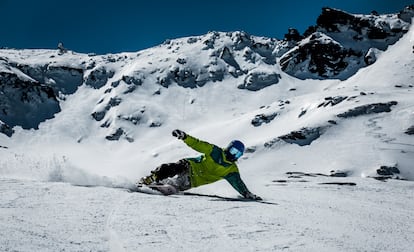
(235, 54)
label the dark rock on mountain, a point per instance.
(410, 130)
(258, 80)
(368, 109)
(61, 79)
(407, 13)
(293, 35)
(388, 170)
(305, 136)
(25, 103)
(333, 21)
(6, 130)
(98, 77)
(116, 135)
(132, 80)
(241, 40)
(332, 101)
(371, 56)
(331, 18)
(132, 83)
(321, 54)
(262, 118)
(185, 77)
(339, 38)
(339, 173)
(100, 114)
(228, 57)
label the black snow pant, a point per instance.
(167, 171)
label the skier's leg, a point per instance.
(170, 170)
(165, 171)
(181, 182)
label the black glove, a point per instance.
(252, 196)
(179, 134)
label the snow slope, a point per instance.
(39, 216)
(63, 186)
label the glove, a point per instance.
(179, 134)
(252, 196)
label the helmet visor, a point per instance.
(235, 152)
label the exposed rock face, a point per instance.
(340, 38)
(25, 103)
(332, 101)
(98, 77)
(368, 109)
(5, 129)
(388, 172)
(361, 26)
(262, 118)
(410, 130)
(322, 56)
(60, 78)
(304, 136)
(258, 80)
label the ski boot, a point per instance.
(148, 180)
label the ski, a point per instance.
(218, 197)
(167, 190)
(156, 189)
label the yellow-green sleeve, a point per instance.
(198, 145)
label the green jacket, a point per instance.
(212, 166)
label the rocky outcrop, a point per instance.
(255, 81)
(263, 118)
(25, 103)
(5, 129)
(368, 109)
(320, 55)
(61, 79)
(98, 77)
(304, 136)
(386, 172)
(410, 130)
(339, 38)
(332, 101)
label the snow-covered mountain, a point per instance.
(333, 104)
(341, 43)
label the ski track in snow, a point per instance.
(115, 241)
(44, 216)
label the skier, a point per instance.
(215, 164)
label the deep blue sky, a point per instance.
(132, 25)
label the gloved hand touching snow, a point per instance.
(179, 134)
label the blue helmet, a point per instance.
(234, 150)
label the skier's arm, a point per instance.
(198, 145)
(235, 180)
